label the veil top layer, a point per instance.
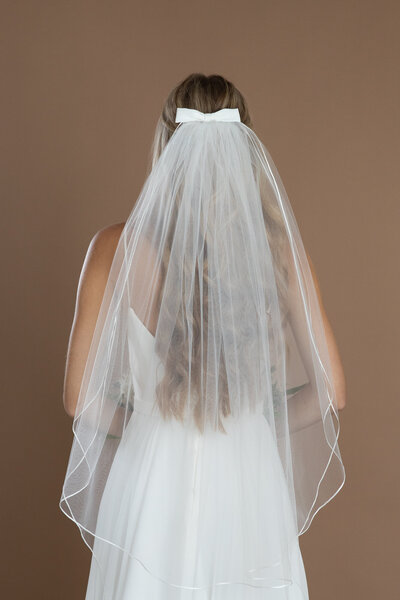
(211, 263)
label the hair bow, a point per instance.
(190, 114)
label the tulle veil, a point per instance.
(212, 264)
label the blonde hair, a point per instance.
(201, 92)
(206, 94)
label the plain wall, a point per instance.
(82, 85)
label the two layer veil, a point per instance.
(212, 263)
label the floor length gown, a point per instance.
(166, 504)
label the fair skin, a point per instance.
(91, 287)
(90, 292)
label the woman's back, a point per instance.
(202, 373)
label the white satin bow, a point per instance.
(190, 114)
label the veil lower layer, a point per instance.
(207, 409)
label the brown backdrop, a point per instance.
(82, 86)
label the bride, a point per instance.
(202, 375)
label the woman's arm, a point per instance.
(297, 319)
(91, 286)
(334, 356)
(304, 407)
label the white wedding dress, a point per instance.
(151, 506)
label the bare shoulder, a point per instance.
(97, 264)
(315, 280)
(103, 245)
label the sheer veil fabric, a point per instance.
(211, 265)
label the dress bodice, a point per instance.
(145, 367)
